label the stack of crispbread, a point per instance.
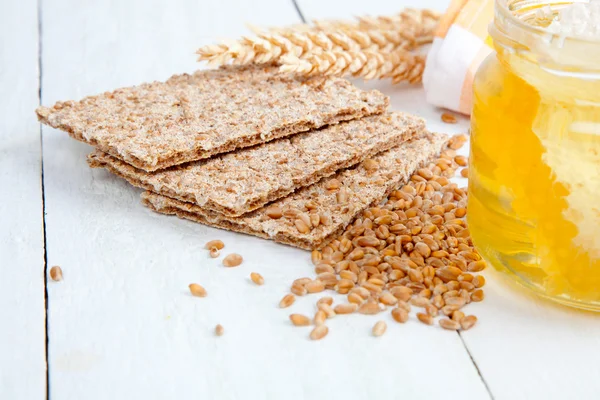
(282, 157)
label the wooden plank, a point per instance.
(122, 324)
(528, 348)
(525, 347)
(22, 336)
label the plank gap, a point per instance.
(299, 11)
(40, 77)
(476, 366)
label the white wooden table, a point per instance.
(122, 326)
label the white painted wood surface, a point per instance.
(22, 304)
(122, 324)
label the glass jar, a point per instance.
(534, 174)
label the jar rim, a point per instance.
(507, 10)
(512, 33)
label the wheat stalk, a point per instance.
(406, 30)
(371, 47)
(400, 65)
(269, 47)
(417, 25)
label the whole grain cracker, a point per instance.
(157, 125)
(362, 189)
(239, 182)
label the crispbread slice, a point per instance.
(362, 186)
(237, 183)
(191, 117)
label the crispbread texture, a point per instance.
(191, 117)
(363, 188)
(239, 182)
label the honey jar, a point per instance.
(534, 172)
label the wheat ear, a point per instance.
(400, 65)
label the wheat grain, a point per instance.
(232, 260)
(257, 278)
(56, 273)
(197, 290)
(319, 332)
(299, 320)
(379, 328)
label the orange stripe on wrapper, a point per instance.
(447, 20)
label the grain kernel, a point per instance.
(56, 273)
(467, 322)
(320, 317)
(455, 301)
(447, 274)
(287, 301)
(419, 302)
(370, 165)
(458, 316)
(448, 118)
(479, 281)
(379, 328)
(325, 300)
(367, 241)
(438, 301)
(218, 244)
(298, 290)
(214, 252)
(461, 161)
(319, 332)
(349, 275)
(404, 305)
(431, 310)
(464, 172)
(316, 257)
(232, 260)
(301, 226)
(361, 291)
(327, 309)
(400, 315)
(356, 254)
(197, 290)
(310, 205)
(369, 308)
(324, 268)
(345, 284)
(477, 295)
(476, 266)
(388, 299)
(401, 293)
(425, 318)
(219, 330)
(257, 278)
(355, 298)
(315, 286)
(332, 184)
(449, 324)
(345, 308)
(274, 212)
(342, 196)
(299, 320)
(315, 219)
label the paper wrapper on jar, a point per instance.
(460, 45)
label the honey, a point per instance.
(534, 174)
